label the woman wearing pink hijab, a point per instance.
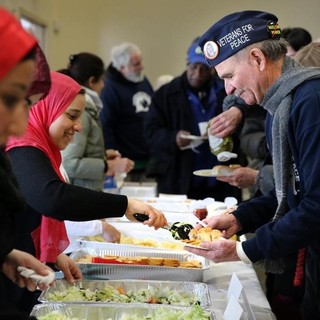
(36, 162)
(65, 96)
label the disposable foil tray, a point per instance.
(198, 290)
(96, 271)
(120, 246)
(105, 312)
(142, 237)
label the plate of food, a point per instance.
(197, 236)
(217, 171)
(195, 246)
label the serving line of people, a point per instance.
(53, 121)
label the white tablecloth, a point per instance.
(218, 278)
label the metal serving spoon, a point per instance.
(179, 230)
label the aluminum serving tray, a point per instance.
(98, 312)
(198, 289)
(119, 246)
(96, 271)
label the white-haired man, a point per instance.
(126, 99)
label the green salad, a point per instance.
(111, 294)
(195, 313)
(56, 315)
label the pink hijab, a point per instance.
(50, 238)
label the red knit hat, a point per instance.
(15, 42)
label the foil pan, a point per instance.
(198, 290)
(106, 312)
(121, 246)
(96, 271)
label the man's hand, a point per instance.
(218, 250)
(243, 177)
(225, 123)
(226, 223)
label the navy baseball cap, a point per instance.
(195, 54)
(237, 31)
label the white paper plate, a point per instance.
(197, 247)
(192, 137)
(204, 173)
(209, 173)
(184, 244)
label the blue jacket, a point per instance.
(300, 226)
(125, 104)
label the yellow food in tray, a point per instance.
(195, 238)
(151, 243)
(98, 238)
(144, 261)
(147, 242)
(139, 242)
(171, 246)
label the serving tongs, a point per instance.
(179, 230)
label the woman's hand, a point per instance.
(112, 154)
(119, 165)
(19, 258)
(110, 233)
(69, 268)
(182, 142)
(156, 217)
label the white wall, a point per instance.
(162, 28)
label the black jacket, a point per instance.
(11, 201)
(125, 104)
(170, 112)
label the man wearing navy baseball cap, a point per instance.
(178, 117)
(248, 53)
(235, 32)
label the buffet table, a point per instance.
(217, 277)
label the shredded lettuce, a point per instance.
(56, 315)
(111, 294)
(195, 313)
